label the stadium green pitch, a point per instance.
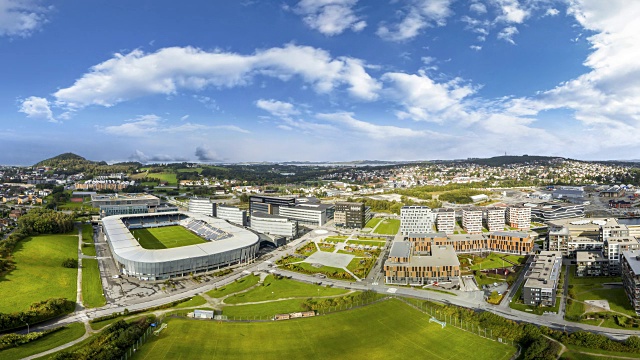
(385, 330)
(166, 237)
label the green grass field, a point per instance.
(88, 249)
(273, 288)
(238, 285)
(170, 178)
(166, 237)
(492, 261)
(263, 311)
(91, 284)
(87, 233)
(39, 274)
(367, 242)
(373, 222)
(388, 227)
(60, 337)
(385, 330)
(335, 239)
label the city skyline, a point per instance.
(311, 80)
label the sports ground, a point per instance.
(386, 330)
(166, 237)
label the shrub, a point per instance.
(70, 263)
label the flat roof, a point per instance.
(544, 271)
(520, 234)
(631, 257)
(126, 246)
(589, 255)
(429, 235)
(400, 249)
(622, 240)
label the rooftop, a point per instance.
(586, 256)
(632, 258)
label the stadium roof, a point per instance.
(126, 246)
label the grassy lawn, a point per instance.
(166, 237)
(488, 279)
(60, 337)
(617, 299)
(335, 239)
(388, 227)
(39, 274)
(330, 272)
(343, 335)
(87, 233)
(89, 249)
(367, 242)
(238, 285)
(327, 247)
(264, 311)
(593, 288)
(492, 261)
(308, 249)
(195, 301)
(91, 284)
(170, 178)
(373, 222)
(360, 267)
(273, 288)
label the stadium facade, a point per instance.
(227, 244)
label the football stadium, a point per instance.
(174, 244)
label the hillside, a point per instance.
(510, 160)
(69, 163)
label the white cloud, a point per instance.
(511, 11)
(371, 130)
(37, 108)
(277, 108)
(475, 47)
(21, 17)
(152, 125)
(330, 17)
(507, 34)
(424, 99)
(552, 12)
(478, 8)
(184, 118)
(419, 15)
(169, 70)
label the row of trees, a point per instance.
(45, 221)
(38, 312)
(112, 343)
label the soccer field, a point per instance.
(386, 330)
(166, 237)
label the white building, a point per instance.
(307, 213)
(232, 214)
(273, 225)
(495, 219)
(202, 206)
(416, 219)
(519, 217)
(472, 220)
(446, 220)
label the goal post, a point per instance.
(442, 323)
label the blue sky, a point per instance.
(318, 80)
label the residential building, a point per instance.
(513, 242)
(509, 242)
(558, 240)
(541, 280)
(495, 218)
(446, 220)
(273, 225)
(631, 277)
(351, 215)
(614, 246)
(269, 204)
(519, 217)
(591, 263)
(555, 211)
(472, 220)
(404, 267)
(202, 206)
(416, 219)
(232, 214)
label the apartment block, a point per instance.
(591, 263)
(351, 215)
(472, 220)
(519, 217)
(416, 219)
(405, 268)
(274, 225)
(541, 280)
(202, 206)
(631, 277)
(495, 218)
(509, 242)
(446, 220)
(614, 246)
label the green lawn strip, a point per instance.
(92, 292)
(238, 285)
(576, 349)
(617, 299)
(373, 222)
(327, 247)
(39, 274)
(68, 333)
(331, 272)
(170, 178)
(367, 242)
(273, 288)
(166, 237)
(385, 330)
(516, 259)
(488, 280)
(492, 261)
(360, 267)
(438, 290)
(88, 249)
(195, 301)
(87, 233)
(388, 227)
(308, 249)
(335, 239)
(538, 310)
(264, 311)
